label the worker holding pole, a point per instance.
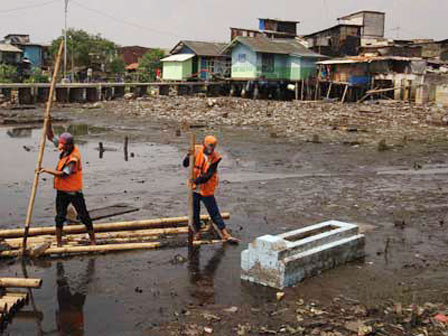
(68, 183)
(204, 183)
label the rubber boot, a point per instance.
(59, 237)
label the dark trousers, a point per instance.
(63, 200)
(212, 209)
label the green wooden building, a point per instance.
(177, 67)
(196, 60)
(262, 58)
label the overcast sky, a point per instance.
(161, 23)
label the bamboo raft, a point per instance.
(11, 302)
(111, 237)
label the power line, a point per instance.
(27, 7)
(135, 25)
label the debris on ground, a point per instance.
(392, 124)
(344, 317)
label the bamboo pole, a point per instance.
(76, 249)
(106, 227)
(122, 235)
(29, 213)
(190, 190)
(20, 282)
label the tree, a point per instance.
(8, 73)
(149, 63)
(87, 50)
(37, 76)
(117, 65)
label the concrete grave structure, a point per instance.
(286, 259)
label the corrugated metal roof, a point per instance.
(201, 48)
(368, 59)
(277, 46)
(331, 28)
(9, 48)
(177, 58)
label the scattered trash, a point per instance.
(280, 296)
(231, 309)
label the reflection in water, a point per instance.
(20, 132)
(203, 281)
(78, 129)
(70, 313)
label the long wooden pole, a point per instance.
(190, 190)
(29, 213)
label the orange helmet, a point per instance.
(210, 140)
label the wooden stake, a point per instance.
(29, 213)
(190, 190)
(345, 93)
(126, 144)
(329, 90)
(302, 88)
(297, 90)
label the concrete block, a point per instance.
(286, 259)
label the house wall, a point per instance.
(336, 42)
(373, 24)
(177, 70)
(281, 69)
(9, 57)
(243, 67)
(34, 54)
(302, 68)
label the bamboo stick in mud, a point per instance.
(40, 157)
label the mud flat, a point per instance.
(271, 184)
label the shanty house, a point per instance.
(275, 59)
(400, 76)
(36, 54)
(177, 67)
(200, 60)
(10, 54)
(352, 31)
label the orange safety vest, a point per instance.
(73, 182)
(201, 166)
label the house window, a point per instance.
(267, 63)
(210, 65)
(242, 58)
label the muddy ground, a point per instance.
(271, 182)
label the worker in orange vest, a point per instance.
(68, 184)
(204, 183)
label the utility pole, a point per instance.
(65, 40)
